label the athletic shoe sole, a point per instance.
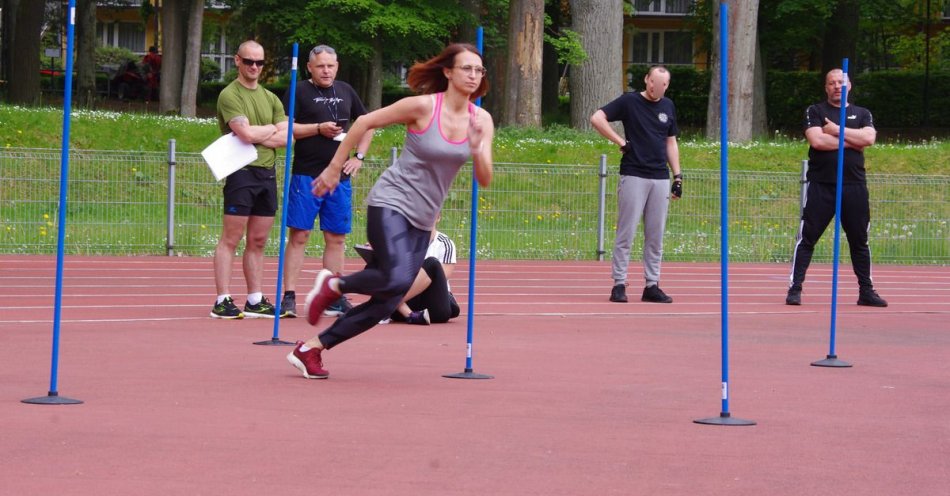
(252, 315)
(314, 312)
(302, 368)
(226, 317)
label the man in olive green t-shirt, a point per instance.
(255, 115)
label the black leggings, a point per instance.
(398, 251)
(436, 297)
(855, 221)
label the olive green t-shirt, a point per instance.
(259, 105)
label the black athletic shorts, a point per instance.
(251, 191)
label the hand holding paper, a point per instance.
(228, 154)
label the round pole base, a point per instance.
(468, 374)
(724, 418)
(274, 342)
(831, 361)
(52, 398)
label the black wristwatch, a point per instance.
(359, 156)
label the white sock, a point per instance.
(221, 298)
(304, 348)
(254, 298)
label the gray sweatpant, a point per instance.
(648, 198)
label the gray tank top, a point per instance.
(415, 185)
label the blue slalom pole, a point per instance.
(275, 339)
(831, 360)
(52, 397)
(473, 233)
(724, 418)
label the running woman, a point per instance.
(444, 129)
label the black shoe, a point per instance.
(288, 306)
(618, 294)
(226, 310)
(419, 318)
(869, 298)
(654, 294)
(794, 296)
(263, 310)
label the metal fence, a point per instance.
(126, 203)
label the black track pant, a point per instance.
(398, 250)
(436, 297)
(818, 212)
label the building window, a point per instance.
(129, 35)
(132, 36)
(662, 47)
(662, 7)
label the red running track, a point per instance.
(589, 397)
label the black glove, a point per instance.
(676, 190)
(627, 147)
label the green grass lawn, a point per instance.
(542, 204)
(104, 130)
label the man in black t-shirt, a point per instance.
(650, 151)
(324, 109)
(822, 129)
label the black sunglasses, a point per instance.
(259, 63)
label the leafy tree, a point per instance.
(359, 31)
(563, 47)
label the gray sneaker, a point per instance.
(794, 296)
(338, 307)
(288, 306)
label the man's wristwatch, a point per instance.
(359, 156)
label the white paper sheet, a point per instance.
(228, 154)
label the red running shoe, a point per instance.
(309, 363)
(320, 297)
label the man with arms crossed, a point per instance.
(821, 131)
(324, 107)
(256, 116)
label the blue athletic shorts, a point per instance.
(335, 211)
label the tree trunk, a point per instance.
(841, 35)
(467, 32)
(600, 78)
(24, 88)
(192, 70)
(494, 101)
(374, 88)
(6, 37)
(746, 117)
(85, 54)
(760, 118)
(173, 52)
(550, 69)
(525, 42)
